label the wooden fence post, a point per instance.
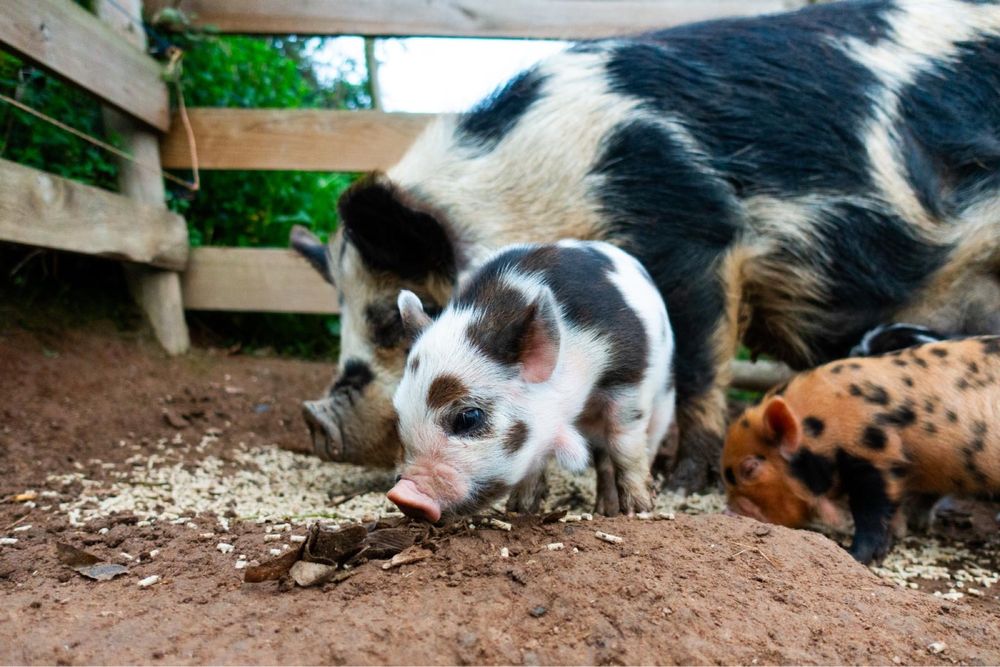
(158, 292)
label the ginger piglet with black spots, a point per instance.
(871, 431)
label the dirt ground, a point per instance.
(163, 465)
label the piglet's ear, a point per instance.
(312, 249)
(782, 426)
(411, 310)
(539, 348)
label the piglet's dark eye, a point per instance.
(468, 420)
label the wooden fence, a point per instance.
(103, 53)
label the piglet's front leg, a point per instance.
(607, 487)
(872, 510)
(526, 498)
(629, 457)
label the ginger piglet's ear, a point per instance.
(782, 426)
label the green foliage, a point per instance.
(259, 208)
(33, 142)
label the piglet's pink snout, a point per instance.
(413, 502)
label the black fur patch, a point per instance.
(870, 392)
(870, 506)
(899, 470)
(771, 125)
(813, 426)
(952, 150)
(678, 221)
(385, 326)
(356, 376)
(580, 280)
(901, 416)
(880, 262)
(873, 438)
(814, 470)
(730, 477)
(390, 235)
(488, 123)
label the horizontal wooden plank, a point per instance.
(73, 43)
(303, 139)
(551, 19)
(255, 279)
(40, 209)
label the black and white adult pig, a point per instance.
(545, 349)
(789, 181)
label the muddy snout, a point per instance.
(328, 443)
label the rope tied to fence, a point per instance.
(172, 73)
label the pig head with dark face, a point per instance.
(382, 247)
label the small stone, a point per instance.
(571, 518)
(312, 574)
(21, 529)
(937, 647)
(538, 611)
(555, 546)
(297, 538)
(271, 537)
(274, 552)
(149, 581)
(665, 516)
(224, 547)
(762, 530)
(7, 541)
(504, 552)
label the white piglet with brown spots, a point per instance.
(560, 350)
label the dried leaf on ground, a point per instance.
(87, 564)
(273, 569)
(411, 555)
(332, 547)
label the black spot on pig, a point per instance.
(813, 426)
(930, 427)
(952, 416)
(385, 325)
(493, 118)
(873, 438)
(871, 393)
(814, 470)
(907, 380)
(356, 376)
(938, 352)
(901, 416)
